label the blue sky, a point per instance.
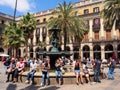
(24, 6)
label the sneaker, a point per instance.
(7, 81)
(112, 78)
(99, 81)
(27, 81)
(82, 83)
(31, 82)
(89, 83)
(41, 85)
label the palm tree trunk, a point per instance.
(15, 10)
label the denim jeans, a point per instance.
(57, 75)
(96, 75)
(31, 74)
(111, 72)
(45, 76)
(6, 67)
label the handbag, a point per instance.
(63, 71)
(9, 70)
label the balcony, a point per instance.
(76, 44)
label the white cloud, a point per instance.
(22, 5)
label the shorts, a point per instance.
(77, 71)
(87, 75)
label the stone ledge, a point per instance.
(68, 77)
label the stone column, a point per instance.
(91, 51)
(102, 29)
(102, 52)
(91, 31)
(115, 48)
(47, 38)
(114, 32)
(81, 52)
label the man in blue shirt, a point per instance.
(97, 66)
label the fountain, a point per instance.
(54, 53)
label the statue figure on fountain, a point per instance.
(55, 38)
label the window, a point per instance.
(43, 30)
(96, 21)
(96, 24)
(38, 31)
(38, 21)
(2, 22)
(68, 40)
(31, 41)
(108, 35)
(96, 35)
(96, 9)
(44, 20)
(37, 40)
(86, 11)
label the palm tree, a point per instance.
(70, 24)
(27, 24)
(111, 13)
(13, 37)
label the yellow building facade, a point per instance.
(99, 41)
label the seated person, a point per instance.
(18, 69)
(33, 67)
(58, 72)
(86, 72)
(10, 70)
(45, 71)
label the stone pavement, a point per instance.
(104, 85)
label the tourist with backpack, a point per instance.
(112, 65)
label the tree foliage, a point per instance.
(66, 20)
(111, 13)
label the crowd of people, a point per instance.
(15, 67)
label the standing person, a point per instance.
(77, 66)
(45, 74)
(112, 65)
(6, 64)
(58, 71)
(33, 67)
(97, 67)
(10, 70)
(18, 69)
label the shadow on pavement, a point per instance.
(31, 87)
(11, 87)
(50, 88)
